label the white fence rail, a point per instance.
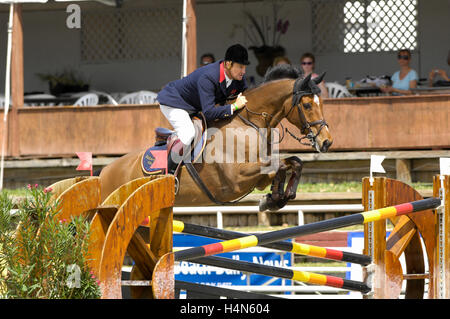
(299, 209)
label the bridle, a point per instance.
(306, 126)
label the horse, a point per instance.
(285, 93)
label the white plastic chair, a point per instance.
(140, 97)
(39, 96)
(90, 99)
(147, 97)
(110, 99)
(2, 101)
(336, 90)
(131, 98)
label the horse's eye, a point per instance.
(307, 106)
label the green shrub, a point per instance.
(41, 256)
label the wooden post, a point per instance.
(403, 170)
(442, 222)
(191, 36)
(374, 197)
(17, 87)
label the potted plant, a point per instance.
(67, 81)
(265, 37)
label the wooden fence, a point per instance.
(364, 124)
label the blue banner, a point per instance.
(215, 276)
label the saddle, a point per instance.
(166, 142)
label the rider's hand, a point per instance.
(240, 101)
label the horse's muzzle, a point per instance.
(325, 146)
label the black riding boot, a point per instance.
(179, 152)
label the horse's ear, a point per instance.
(319, 79)
(303, 84)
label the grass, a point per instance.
(18, 192)
(349, 187)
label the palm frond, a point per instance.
(257, 26)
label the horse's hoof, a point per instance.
(263, 204)
(267, 203)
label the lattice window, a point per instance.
(133, 34)
(364, 25)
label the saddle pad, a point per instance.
(150, 156)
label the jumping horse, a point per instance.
(283, 94)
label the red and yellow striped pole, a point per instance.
(334, 223)
(296, 248)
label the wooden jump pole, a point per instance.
(339, 222)
(296, 248)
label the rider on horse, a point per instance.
(201, 91)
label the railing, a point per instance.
(299, 209)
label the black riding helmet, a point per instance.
(237, 53)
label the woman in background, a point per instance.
(307, 62)
(405, 79)
(281, 60)
(439, 72)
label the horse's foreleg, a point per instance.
(274, 200)
(296, 165)
(279, 197)
(277, 188)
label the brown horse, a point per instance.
(283, 95)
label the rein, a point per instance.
(265, 115)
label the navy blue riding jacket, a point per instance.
(201, 90)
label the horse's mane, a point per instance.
(279, 72)
(287, 71)
(282, 71)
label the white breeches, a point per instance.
(181, 123)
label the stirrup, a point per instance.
(177, 185)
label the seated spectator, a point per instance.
(207, 58)
(307, 62)
(403, 80)
(280, 60)
(445, 81)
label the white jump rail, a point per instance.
(299, 209)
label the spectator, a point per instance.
(405, 79)
(445, 79)
(280, 60)
(206, 59)
(307, 62)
